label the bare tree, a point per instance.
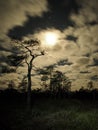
(28, 50)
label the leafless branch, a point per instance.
(26, 62)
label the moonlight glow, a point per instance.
(50, 39)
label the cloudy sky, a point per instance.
(75, 24)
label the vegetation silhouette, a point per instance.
(59, 86)
(55, 81)
(50, 109)
(28, 50)
(23, 84)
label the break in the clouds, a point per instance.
(76, 24)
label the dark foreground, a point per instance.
(49, 114)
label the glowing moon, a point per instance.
(50, 39)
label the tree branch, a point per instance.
(26, 62)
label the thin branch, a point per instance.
(29, 50)
(36, 68)
(19, 64)
(37, 55)
(26, 62)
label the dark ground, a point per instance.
(48, 113)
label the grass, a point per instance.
(51, 114)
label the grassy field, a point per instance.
(50, 114)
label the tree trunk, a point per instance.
(29, 88)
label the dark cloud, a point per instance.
(7, 69)
(87, 55)
(83, 60)
(87, 14)
(64, 62)
(84, 72)
(93, 23)
(95, 62)
(95, 77)
(71, 38)
(14, 12)
(57, 17)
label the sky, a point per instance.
(75, 22)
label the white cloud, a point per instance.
(88, 12)
(13, 12)
(5, 78)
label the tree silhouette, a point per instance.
(60, 82)
(81, 89)
(28, 50)
(11, 84)
(44, 80)
(90, 85)
(55, 81)
(46, 75)
(23, 84)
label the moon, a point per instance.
(50, 39)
